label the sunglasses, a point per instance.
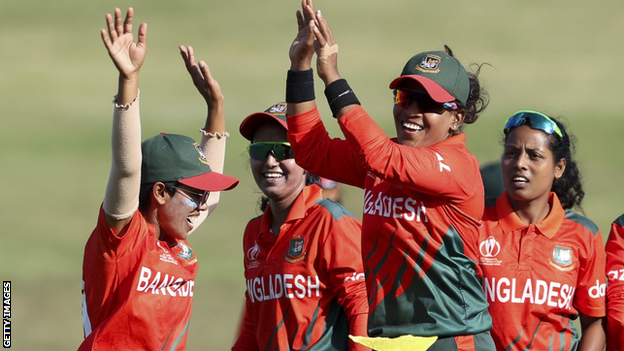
(535, 120)
(279, 150)
(405, 98)
(198, 198)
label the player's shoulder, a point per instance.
(336, 210)
(619, 221)
(582, 221)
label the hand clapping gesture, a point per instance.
(314, 35)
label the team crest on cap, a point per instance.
(430, 64)
(295, 250)
(562, 257)
(278, 109)
(202, 158)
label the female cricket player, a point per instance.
(543, 264)
(423, 195)
(138, 269)
(303, 264)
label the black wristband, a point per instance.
(339, 95)
(300, 86)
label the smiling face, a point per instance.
(280, 181)
(419, 128)
(178, 212)
(528, 165)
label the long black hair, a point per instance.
(569, 187)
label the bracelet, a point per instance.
(217, 135)
(339, 95)
(300, 86)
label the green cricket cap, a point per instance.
(441, 75)
(275, 113)
(174, 157)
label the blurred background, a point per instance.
(561, 57)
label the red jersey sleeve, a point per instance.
(319, 154)
(589, 298)
(246, 340)
(615, 288)
(446, 169)
(342, 256)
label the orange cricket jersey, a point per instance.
(538, 277)
(615, 289)
(422, 207)
(137, 291)
(305, 287)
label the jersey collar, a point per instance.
(509, 220)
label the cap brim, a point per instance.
(211, 181)
(251, 122)
(434, 90)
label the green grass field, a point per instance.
(57, 83)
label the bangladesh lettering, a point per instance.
(540, 292)
(159, 284)
(286, 285)
(398, 207)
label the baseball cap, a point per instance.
(276, 113)
(174, 157)
(441, 75)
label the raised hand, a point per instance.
(127, 55)
(207, 86)
(302, 48)
(326, 50)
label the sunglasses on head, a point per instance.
(279, 150)
(405, 98)
(535, 120)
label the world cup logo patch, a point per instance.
(296, 251)
(430, 64)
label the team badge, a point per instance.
(430, 64)
(562, 256)
(277, 109)
(186, 253)
(202, 158)
(295, 250)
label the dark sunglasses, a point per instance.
(535, 120)
(198, 198)
(260, 150)
(405, 98)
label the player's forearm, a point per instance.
(593, 336)
(122, 192)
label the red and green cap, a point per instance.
(275, 113)
(174, 157)
(441, 75)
